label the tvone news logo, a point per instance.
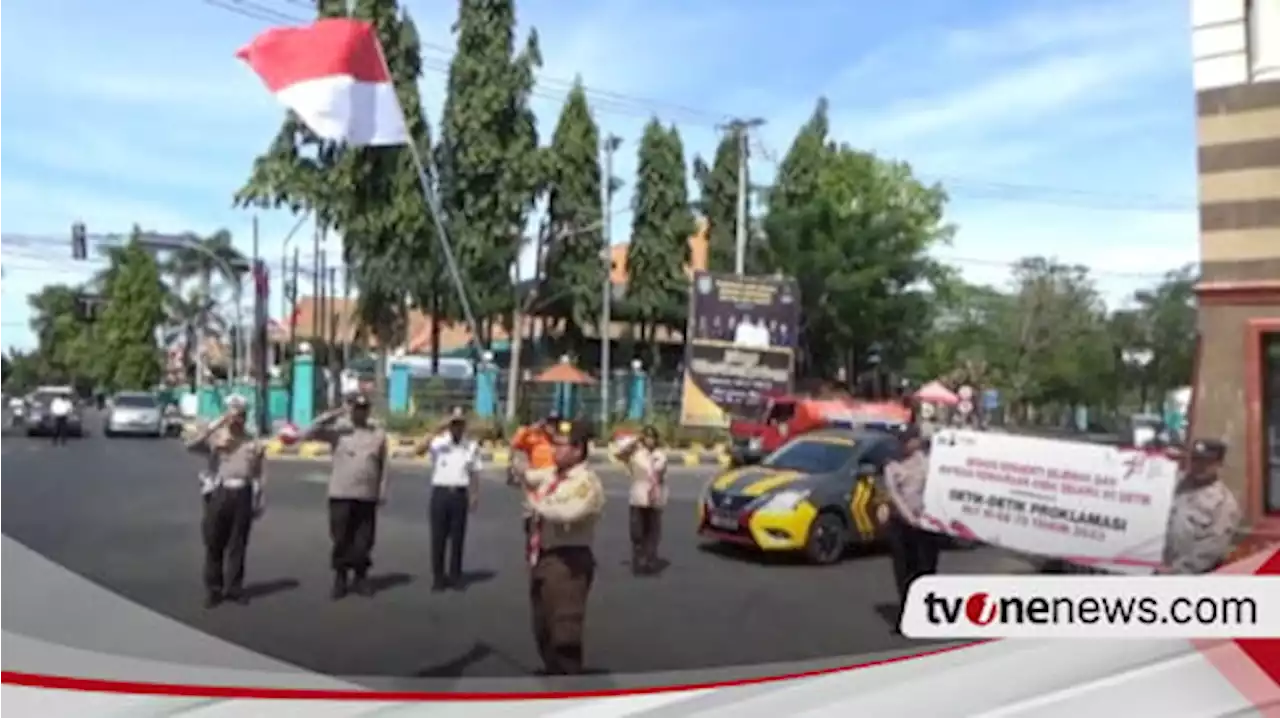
(983, 609)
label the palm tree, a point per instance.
(194, 315)
(189, 319)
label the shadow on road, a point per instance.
(263, 589)
(795, 559)
(470, 578)
(388, 581)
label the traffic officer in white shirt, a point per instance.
(455, 471)
(61, 408)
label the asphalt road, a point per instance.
(125, 514)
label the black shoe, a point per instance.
(212, 599)
(237, 596)
(438, 585)
(362, 587)
(339, 585)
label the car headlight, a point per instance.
(782, 502)
(755, 443)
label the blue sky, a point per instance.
(1061, 128)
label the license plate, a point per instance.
(724, 521)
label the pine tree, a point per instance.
(488, 158)
(718, 201)
(128, 351)
(574, 270)
(661, 224)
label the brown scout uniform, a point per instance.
(648, 497)
(567, 505)
(235, 463)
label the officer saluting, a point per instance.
(232, 497)
(1205, 515)
(357, 485)
(914, 549)
(566, 503)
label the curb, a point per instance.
(490, 455)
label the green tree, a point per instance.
(662, 221)
(387, 236)
(718, 203)
(488, 160)
(127, 329)
(797, 181)
(64, 334)
(859, 247)
(574, 269)
(1058, 350)
(1167, 313)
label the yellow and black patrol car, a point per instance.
(816, 494)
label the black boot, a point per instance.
(339, 585)
(236, 595)
(212, 599)
(361, 586)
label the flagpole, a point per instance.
(436, 212)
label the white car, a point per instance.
(135, 413)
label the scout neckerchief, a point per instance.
(657, 475)
(535, 531)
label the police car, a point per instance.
(816, 495)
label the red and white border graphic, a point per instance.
(990, 678)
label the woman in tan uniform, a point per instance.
(647, 464)
(232, 501)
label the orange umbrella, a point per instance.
(564, 373)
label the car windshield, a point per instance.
(812, 456)
(135, 401)
(44, 397)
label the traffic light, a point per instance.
(79, 241)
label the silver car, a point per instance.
(133, 413)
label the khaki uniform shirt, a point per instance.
(567, 514)
(233, 462)
(359, 455)
(904, 482)
(648, 471)
(1202, 528)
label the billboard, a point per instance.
(740, 345)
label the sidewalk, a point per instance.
(491, 453)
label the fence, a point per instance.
(435, 396)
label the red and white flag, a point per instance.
(333, 74)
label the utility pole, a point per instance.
(742, 132)
(292, 313)
(609, 145)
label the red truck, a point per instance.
(785, 416)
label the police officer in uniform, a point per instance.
(1205, 514)
(566, 502)
(233, 497)
(914, 550)
(357, 486)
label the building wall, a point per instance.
(1237, 82)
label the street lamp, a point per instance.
(1138, 359)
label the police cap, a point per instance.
(1208, 450)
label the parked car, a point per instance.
(135, 413)
(39, 418)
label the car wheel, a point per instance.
(828, 538)
(109, 433)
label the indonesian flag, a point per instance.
(334, 76)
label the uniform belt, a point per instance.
(449, 487)
(233, 483)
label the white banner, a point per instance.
(1109, 607)
(1087, 503)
